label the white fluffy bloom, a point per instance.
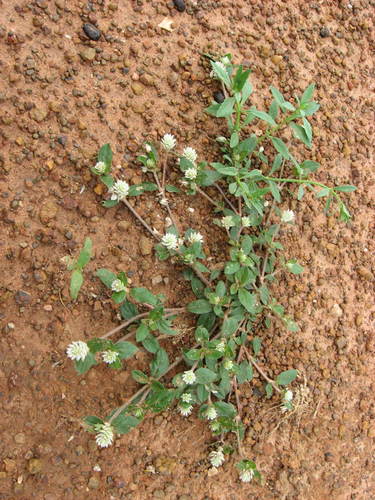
(100, 167)
(190, 154)
(217, 457)
(228, 364)
(185, 409)
(147, 148)
(287, 216)
(191, 173)
(195, 237)
(105, 435)
(221, 345)
(77, 351)
(119, 190)
(170, 241)
(168, 142)
(227, 221)
(246, 476)
(288, 396)
(118, 286)
(210, 413)
(245, 221)
(109, 356)
(186, 397)
(189, 377)
(164, 202)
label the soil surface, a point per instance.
(62, 96)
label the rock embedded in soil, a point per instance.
(38, 114)
(22, 298)
(48, 211)
(92, 31)
(324, 32)
(34, 466)
(88, 54)
(219, 96)
(145, 245)
(180, 5)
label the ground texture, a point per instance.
(62, 96)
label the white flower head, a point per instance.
(210, 413)
(163, 201)
(217, 457)
(287, 216)
(195, 237)
(110, 356)
(191, 173)
(228, 364)
(119, 190)
(170, 241)
(147, 148)
(77, 351)
(118, 286)
(245, 221)
(185, 409)
(100, 167)
(221, 345)
(246, 476)
(168, 142)
(186, 397)
(288, 396)
(105, 435)
(227, 221)
(215, 426)
(189, 377)
(190, 154)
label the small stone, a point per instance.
(180, 5)
(337, 311)
(62, 140)
(93, 483)
(341, 342)
(9, 464)
(137, 88)
(88, 54)
(219, 96)
(156, 280)
(34, 466)
(147, 80)
(20, 438)
(145, 245)
(92, 31)
(123, 225)
(365, 273)
(276, 59)
(324, 32)
(22, 298)
(38, 114)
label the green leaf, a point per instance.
(226, 107)
(277, 95)
(280, 147)
(128, 310)
(106, 277)
(300, 193)
(286, 377)
(92, 420)
(275, 191)
(308, 93)
(277, 162)
(160, 365)
(309, 166)
(143, 295)
(248, 145)
(323, 192)
(257, 345)
(140, 377)
(105, 155)
(307, 128)
(97, 345)
(245, 372)
(151, 344)
(76, 282)
(240, 79)
(234, 139)
(345, 188)
(269, 390)
(294, 267)
(262, 115)
(85, 254)
(172, 189)
(344, 213)
(205, 376)
(231, 267)
(225, 170)
(221, 73)
(225, 409)
(125, 349)
(142, 332)
(300, 133)
(84, 365)
(212, 109)
(109, 203)
(200, 306)
(230, 325)
(246, 91)
(107, 180)
(202, 393)
(248, 300)
(264, 294)
(125, 423)
(118, 297)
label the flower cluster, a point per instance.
(217, 457)
(119, 190)
(77, 351)
(105, 435)
(168, 142)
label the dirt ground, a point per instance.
(61, 97)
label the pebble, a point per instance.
(88, 54)
(22, 298)
(38, 114)
(324, 32)
(123, 225)
(145, 245)
(180, 5)
(20, 438)
(156, 280)
(365, 273)
(337, 311)
(34, 466)
(93, 483)
(48, 211)
(92, 31)
(219, 96)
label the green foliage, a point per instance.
(76, 279)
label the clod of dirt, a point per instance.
(180, 5)
(93, 483)
(88, 54)
(48, 211)
(92, 31)
(324, 32)
(34, 466)
(38, 114)
(145, 245)
(22, 298)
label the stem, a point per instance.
(225, 197)
(163, 197)
(259, 369)
(164, 170)
(299, 181)
(213, 202)
(140, 219)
